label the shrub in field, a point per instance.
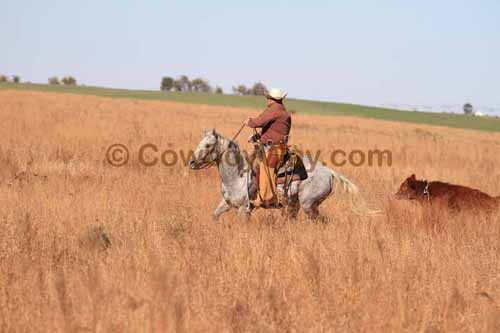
(4, 78)
(54, 80)
(68, 81)
(219, 91)
(16, 78)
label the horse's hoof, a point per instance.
(250, 207)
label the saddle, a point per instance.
(290, 169)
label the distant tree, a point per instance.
(206, 88)
(54, 80)
(16, 78)
(468, 109)
(4, 78)
(241, 90)
(259, 89)
(196, 84)
(201, 85)
(68, 81)
(219, 91)
(185, 83)
(167, 83)
(177, 85)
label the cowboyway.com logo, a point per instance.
(150, 155)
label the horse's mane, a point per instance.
(231, 143)
(235, 148)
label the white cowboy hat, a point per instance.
(276, 93)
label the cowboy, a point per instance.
(275, 122)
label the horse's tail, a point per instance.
(346, 184)
(358, 204)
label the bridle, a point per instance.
(207, 164)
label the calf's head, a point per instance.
(411, 189)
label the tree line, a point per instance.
(67, 81)
(200, 85)
(13, 79)
(54, 80)
(258, 89)
(184, 84)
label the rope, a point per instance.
(239, 131)
(426, 191)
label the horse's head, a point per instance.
(411, 188)
(207, 151)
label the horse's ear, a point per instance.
(214, 132)
(412, 177)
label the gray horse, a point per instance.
(238, 182)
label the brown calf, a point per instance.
(454, 197)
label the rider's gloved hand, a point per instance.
(253, 138)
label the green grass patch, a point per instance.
(491, 124)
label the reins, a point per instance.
(261, 148)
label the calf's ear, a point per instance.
(412, 177)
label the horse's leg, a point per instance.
(292, 208)
(313, 214)
(312, 211)
(244, 212)
(221, 208)
(293, 205)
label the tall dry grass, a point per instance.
(85, 246)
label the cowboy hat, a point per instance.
(276, 93)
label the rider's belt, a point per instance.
(271, 143)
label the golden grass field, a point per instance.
(169, 267)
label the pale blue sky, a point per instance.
(371, 52)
